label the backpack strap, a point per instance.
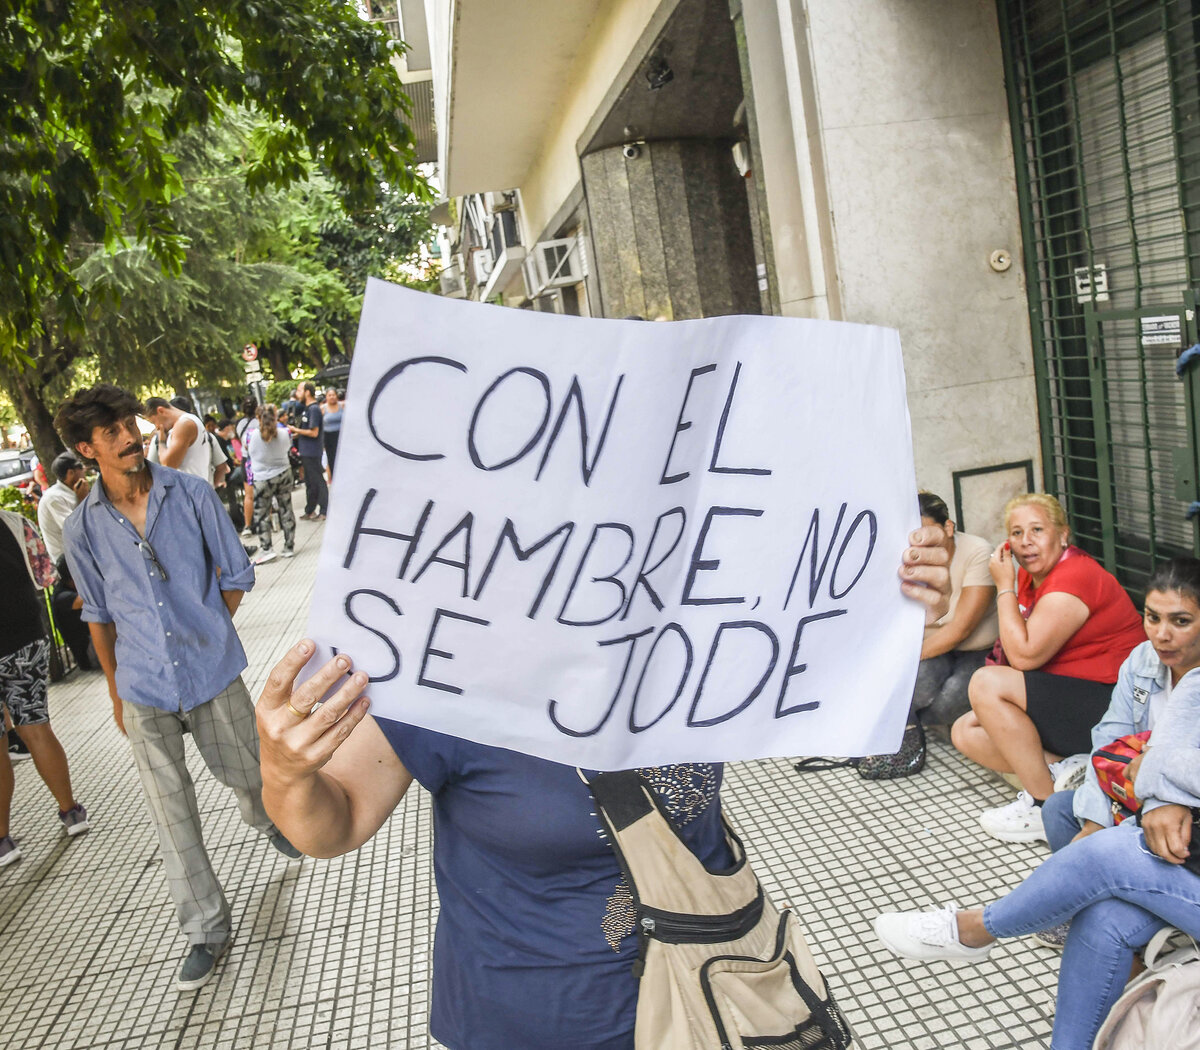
(662, 871)
(1169, 947)
(622, 797)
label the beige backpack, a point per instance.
(1160, 1009)
(721, 968)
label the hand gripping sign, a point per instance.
(617, 543)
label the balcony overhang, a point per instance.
(510, 61)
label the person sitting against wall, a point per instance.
(1147, 678)
(1115, 886)
(954, 647)
(1066, 626)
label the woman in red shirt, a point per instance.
(1066, 626)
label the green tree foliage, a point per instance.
(147, 327)
(98, 94)
(184, 328)
(334, 252)
(245, 256)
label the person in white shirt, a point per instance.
(182, 441)
(267, 452)
(60, 499)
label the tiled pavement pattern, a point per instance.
(336, 953)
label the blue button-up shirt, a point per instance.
(176, 646)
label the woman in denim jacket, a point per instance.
(1119, 885)
(1139, 695)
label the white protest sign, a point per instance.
(617, 543)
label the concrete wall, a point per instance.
(886, 165)
(899, 113)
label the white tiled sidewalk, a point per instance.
(335, 954)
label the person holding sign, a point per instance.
(536, 934)
(1066, 626)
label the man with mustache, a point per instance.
(161, 571)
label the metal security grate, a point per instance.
(1103, 100)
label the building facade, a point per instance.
(1008, 184)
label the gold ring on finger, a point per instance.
(298, 714)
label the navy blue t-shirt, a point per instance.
(534, 945)
(310, 416)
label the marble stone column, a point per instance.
(670, 228)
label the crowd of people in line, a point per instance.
(1034, 656)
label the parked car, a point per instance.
(16, 466)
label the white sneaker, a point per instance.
(265, 557)
(926, 935)
(247, 533)
(288, 553)
(1069, 773)
(1019, 821)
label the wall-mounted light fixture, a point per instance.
(658, 73)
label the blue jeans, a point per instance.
(1117, 894)
(1059, 820)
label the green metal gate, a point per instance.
(1103, 97)
(1145, 471)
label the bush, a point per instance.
(279, 390)
(11, 498)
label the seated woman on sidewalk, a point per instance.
(1147, 678)
(953, 649)
(1117, 887)
(1066, 626)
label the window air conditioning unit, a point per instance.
(481, 266)
(559, 263)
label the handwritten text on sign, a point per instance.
(619, 543)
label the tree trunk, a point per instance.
(277, 358)
(38, 417)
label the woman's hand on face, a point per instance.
(1003, 568)
(925, 572)
(1168, 831)
(296, 739)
